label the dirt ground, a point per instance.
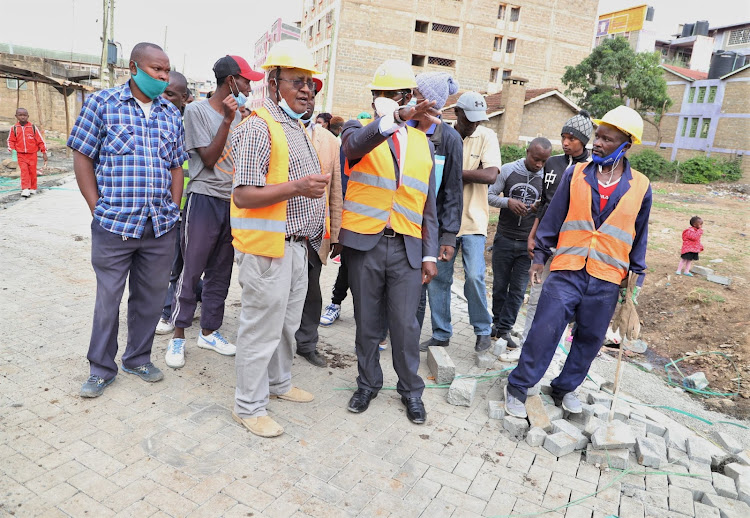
(682, 316)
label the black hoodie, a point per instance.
(553, 172)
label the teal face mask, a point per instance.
(150, 86)
(288, 110)
(239, 96)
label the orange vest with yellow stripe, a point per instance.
(604, 251)
(373, 196)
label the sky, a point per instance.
(199, 32)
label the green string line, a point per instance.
(481, 378)
(674, 363)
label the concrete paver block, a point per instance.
(600, 398)
(562, 425)
(615, 459)
(500, 347)
(736, 470)
(553, 412)
(724, 486)
(592, 426)
(676, 437)
(651, 426)
(727, 507)
(680, 458)
(440, 364)
(650, 453)
(727, 442)
(484, 360)
(701, 270)
(681, 500)
(719, 279)
(630, 507)
(536, 436)
(622, 411)
(516, 426)
(615, 435)
(560, 443)
(537, 414)
(496, 409)
(697, 450)
(705, 511)
(743, 488)
(462, 391)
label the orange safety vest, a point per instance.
(373, 196)
(604, 251)
(262, 231)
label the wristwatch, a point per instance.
(397, 116)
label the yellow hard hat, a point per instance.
(626, 120)
(393, 74)
(290, 54)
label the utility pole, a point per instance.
(103, 63)
(165, 37)
(112, 66)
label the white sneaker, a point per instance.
(331, 313)
(164, 327)
(26, 193)
(383, 345)
(175, 356)
(512, 355)
(216, 342)
(32, 191)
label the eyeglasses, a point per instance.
(390, 94)
(297, 84)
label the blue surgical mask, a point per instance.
(412, 102)
(288, 110)
(611, 158)
(150, 86)
(239, 96)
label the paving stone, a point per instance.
(724, 486)
(697, 450)
(441, 365)
(622, 411)
(496, 409)
(676, 437)
(638, 428)
(596, 379)
(743, 458)
(536, 436)
(484, 360)
(630, 507)
(560, 444)
(727, 507)
(562, 425)
(516, 426)
(678, 457)
(719, 279)
(537, 415)
(701, 270)
(743, 488)
(600, 398)
(727, 442)
(680, 500)
(462, 391)
(699, 486)
(583, 417)
(735, 470)
(705, 511)
(650, 453)
(553, 412)
(602, 412)
(500, 347)
(593, 425)
(615, 435)
(616, 459)
(651, 426)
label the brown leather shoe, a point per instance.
(295, 395)
(262, 426)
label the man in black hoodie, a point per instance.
(575, 134)
(517, 191)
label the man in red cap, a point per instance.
(206, 239)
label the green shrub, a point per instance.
(700, 169)
(511, 153)
(730, 169)
(652, 164)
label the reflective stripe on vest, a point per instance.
(605, 252)
(374, 197)
(262, 231)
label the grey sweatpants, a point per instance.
(273, 293)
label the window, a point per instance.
(450, 29)
(498, 45)
(417, 60)
(691, 94)
(693, 127)
(506, 74)
(739, 36)
(493, 75)
(515, 12)
(309, 32)
(421, 26)
(712, 94)
(510, 46)
(705, 124)
(13, 84)
(501, 12)
(319, 25)
(701, 94)
(441, 62)
(684, 126)
(329, 18)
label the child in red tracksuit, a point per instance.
(691, 245)
(27, 140)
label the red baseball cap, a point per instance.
(318, 84)
(235, 65)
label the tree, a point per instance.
(614, 73)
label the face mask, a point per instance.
(411, 103)
(306, 121)
(384, 106)
(239, 96)
(288, 110)
(150, 86)
(611, 158)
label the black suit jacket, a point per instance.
(356, 142)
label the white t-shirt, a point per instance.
(146, 107)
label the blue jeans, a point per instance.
(475, 290)
(510, 265)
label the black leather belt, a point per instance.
(389, 232)
(295, 239)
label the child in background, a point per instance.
(26, 140)
(691, 245)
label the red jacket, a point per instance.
(26, 139)
(691, 240)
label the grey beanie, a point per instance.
(436, 86)
(580, 126)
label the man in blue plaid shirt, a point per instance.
(128, 155)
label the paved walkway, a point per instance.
(172, 449)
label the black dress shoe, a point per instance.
(415, 409)
(483, 343)
(314, 358)
(361, 400)
(512, 344)
(433, 342)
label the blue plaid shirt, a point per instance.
(132, 159)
